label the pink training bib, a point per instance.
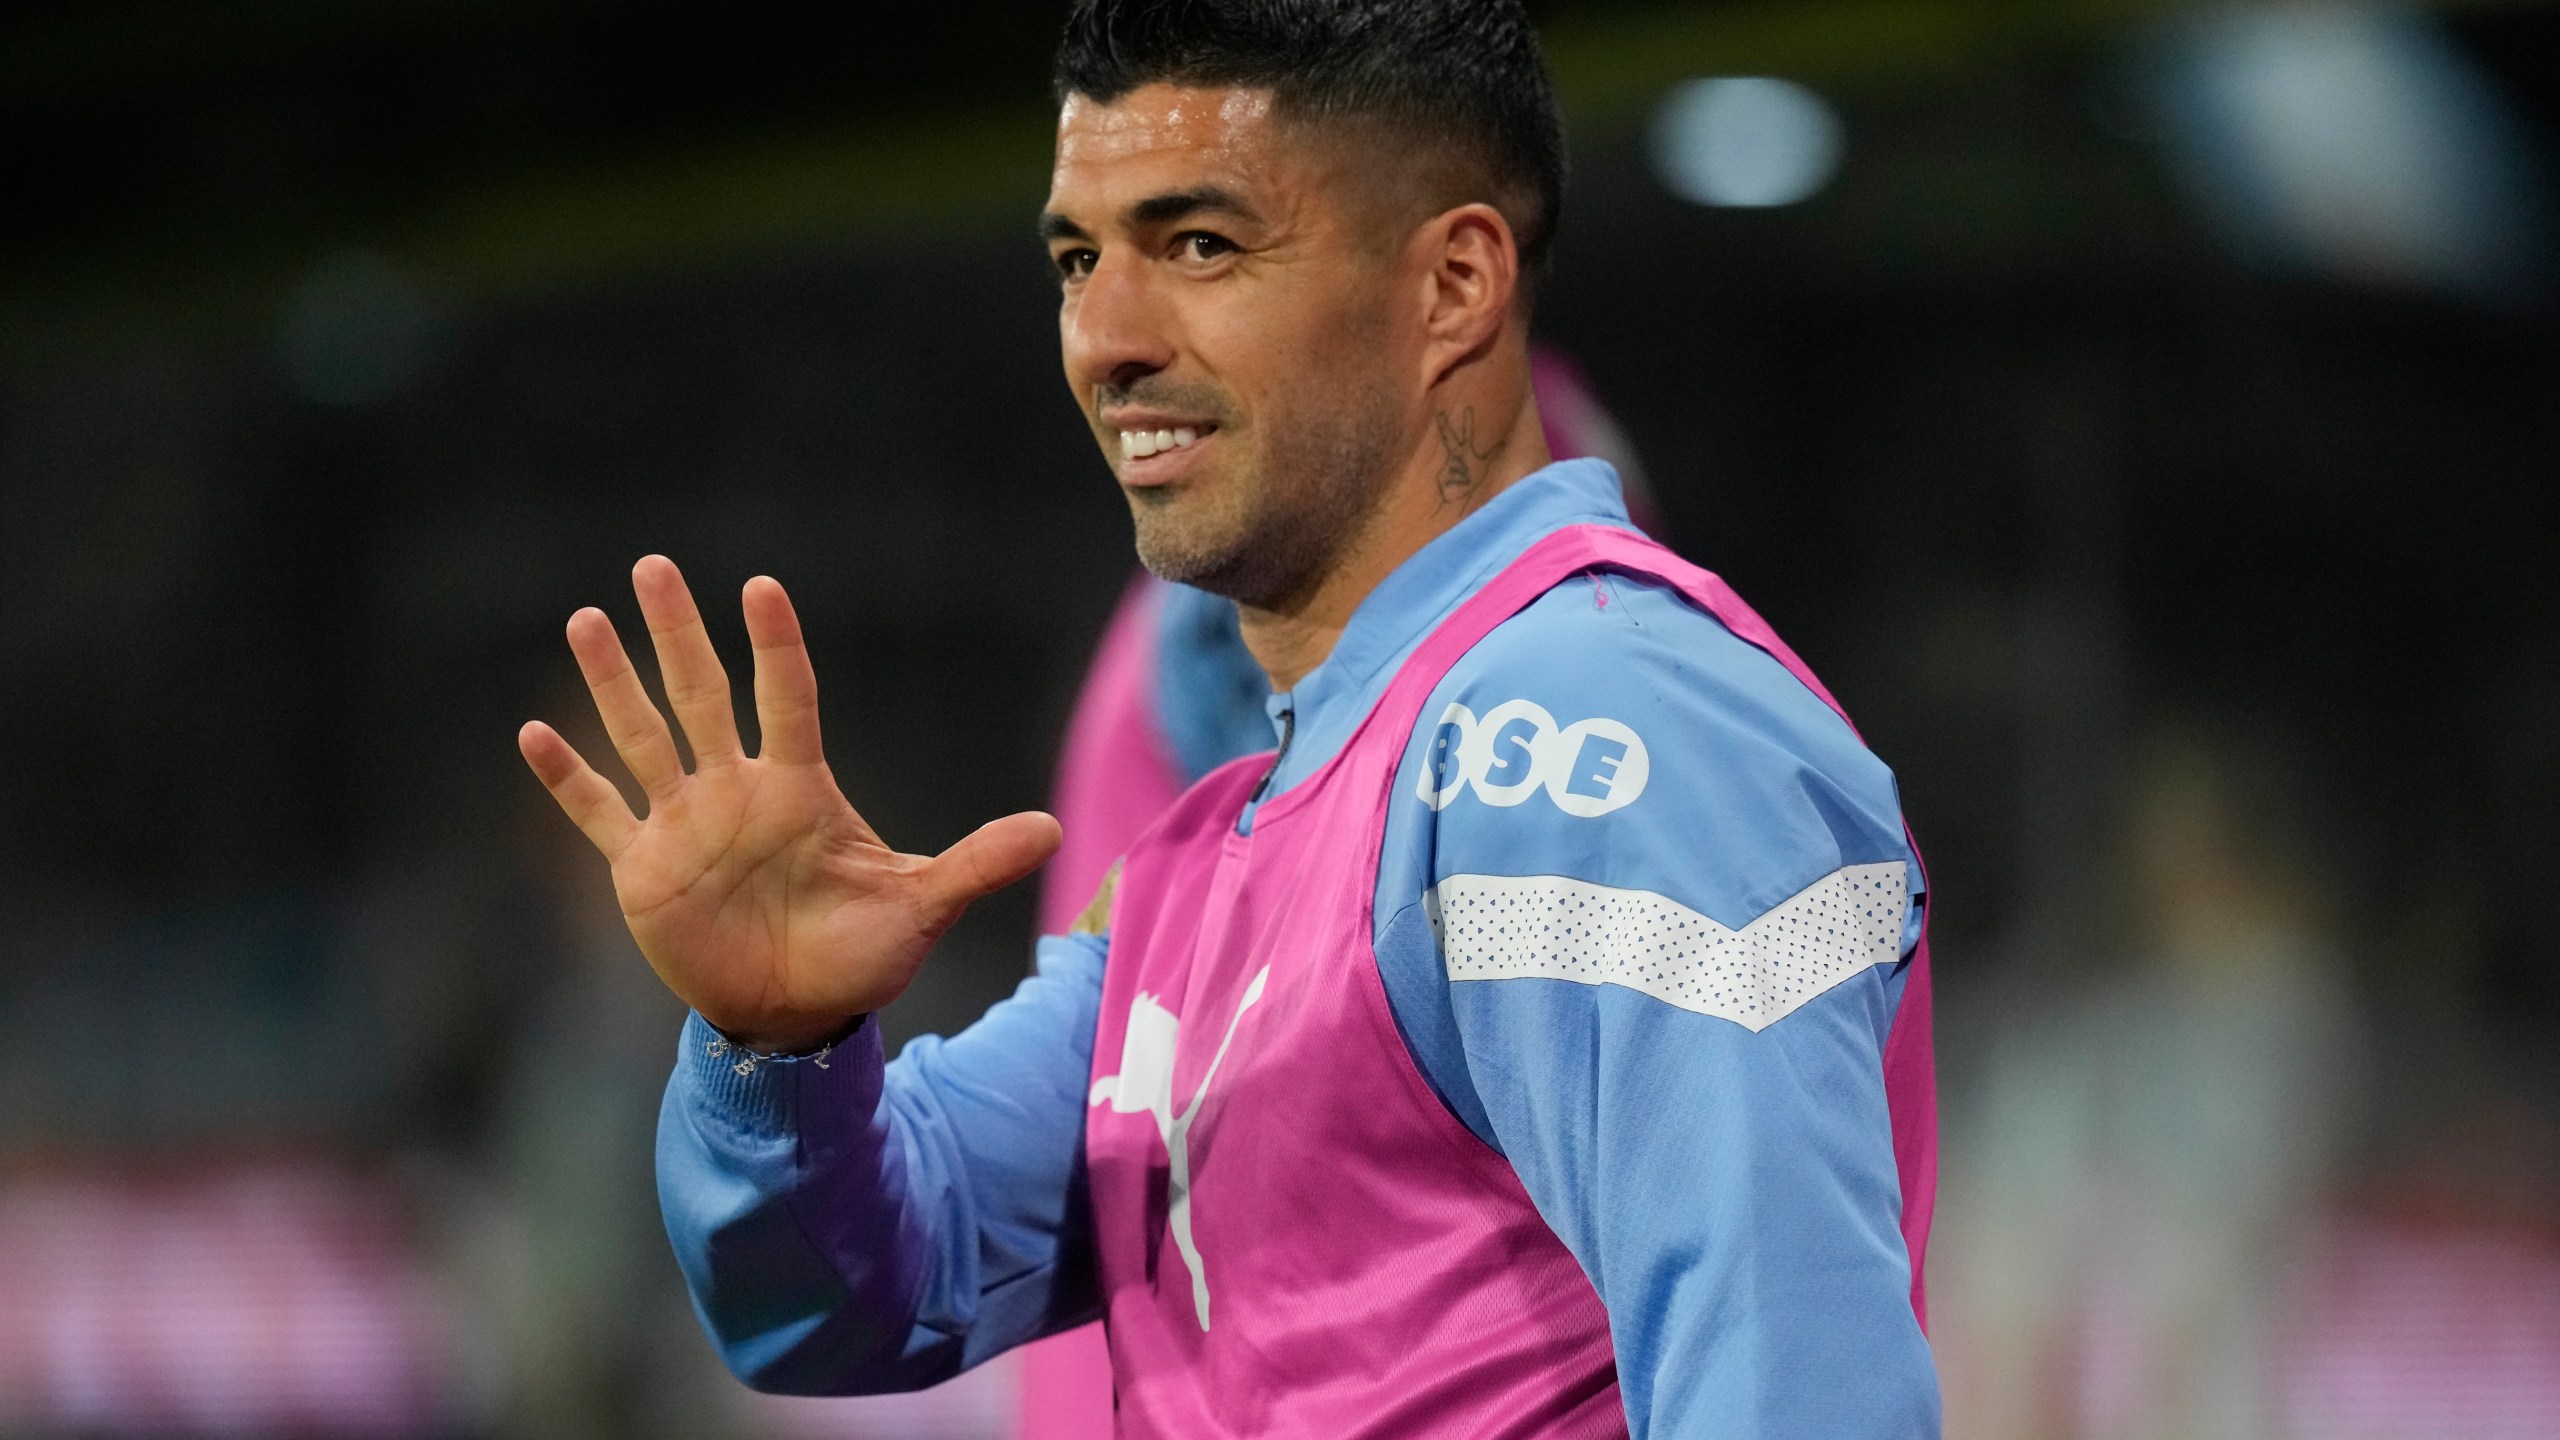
(1297, 1239)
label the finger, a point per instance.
(993, 856)
(638, 731)
(593, 805)
(786, 686)
(697, 687)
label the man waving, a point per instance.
(1535, 1045)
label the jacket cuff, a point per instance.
(769, 1098)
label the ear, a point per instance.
(1473, 268)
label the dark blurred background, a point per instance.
(2145, 417)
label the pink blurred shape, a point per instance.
(255, 1298)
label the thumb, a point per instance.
(991, 857)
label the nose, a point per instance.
(1112, 329)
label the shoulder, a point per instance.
(1614, 732)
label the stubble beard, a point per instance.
(1276, 523)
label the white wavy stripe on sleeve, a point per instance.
(1507, 927)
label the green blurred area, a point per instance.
(200, 157)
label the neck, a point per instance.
(1470, 452)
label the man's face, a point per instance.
(1231, 328)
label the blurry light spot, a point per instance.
(2350, 139)
(1745, 140)
(358, 331)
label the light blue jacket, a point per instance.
(1691, 1090)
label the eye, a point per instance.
(1202, 246)
(1074, 264)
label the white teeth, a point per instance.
(1139, 444)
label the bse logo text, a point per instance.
(1587, 768)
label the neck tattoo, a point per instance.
(1465, 468)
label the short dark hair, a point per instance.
(1463, 75)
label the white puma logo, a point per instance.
(1145, 1083)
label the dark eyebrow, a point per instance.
(1183, 204)
(1156, 210)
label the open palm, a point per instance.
(755, 890)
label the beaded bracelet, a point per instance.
(748, 1060)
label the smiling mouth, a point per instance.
(1139, 444)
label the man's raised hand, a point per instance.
(755, 891)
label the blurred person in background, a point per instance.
(1633, 1099)
(2144, 1164)
(1173, 694)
